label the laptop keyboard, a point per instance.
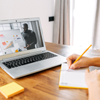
(28, 60)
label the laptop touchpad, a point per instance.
(36, 66)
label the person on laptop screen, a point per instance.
(29, 37)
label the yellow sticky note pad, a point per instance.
(11, 89)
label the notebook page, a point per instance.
(73, 78)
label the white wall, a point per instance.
(14, 9)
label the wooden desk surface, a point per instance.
(44, 85)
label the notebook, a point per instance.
(22, 48)
(11, 89)
(72, 78)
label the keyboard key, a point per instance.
(27, 60)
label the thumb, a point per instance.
(87, 71)
(75, 65)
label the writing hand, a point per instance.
(83, 62)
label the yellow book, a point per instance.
(72, 78)
(11, 89)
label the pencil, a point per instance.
(81, 54)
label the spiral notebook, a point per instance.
(72, 78)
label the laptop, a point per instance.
(22, 48)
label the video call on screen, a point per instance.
(20, 36)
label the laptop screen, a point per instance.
(20, 36)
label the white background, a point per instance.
(14, 9)
(84, 18)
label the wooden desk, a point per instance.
(44, 85)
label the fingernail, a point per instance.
(71, 67)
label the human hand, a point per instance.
(25, 47)
(82, 62)
(93, 82)
(92, 78)
(28, 45)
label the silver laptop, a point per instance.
(22, 48)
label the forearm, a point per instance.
(94, 91)
(95, 61)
